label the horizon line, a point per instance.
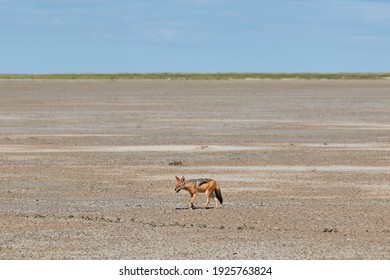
(204, 75)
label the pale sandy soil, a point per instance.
(304, 168)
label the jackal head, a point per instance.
(179, 183)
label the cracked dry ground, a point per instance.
(87, 169)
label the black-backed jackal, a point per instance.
(195, 186)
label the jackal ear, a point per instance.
(177, 178)
(182, 179)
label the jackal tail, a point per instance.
(218, 194)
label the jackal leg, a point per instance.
(211, 195)
(215, 199)
(192, 200)
(208, 194)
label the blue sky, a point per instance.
(116, 36)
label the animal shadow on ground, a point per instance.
(196, 208)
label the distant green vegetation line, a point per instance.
(204, 76)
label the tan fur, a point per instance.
(211, 188)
